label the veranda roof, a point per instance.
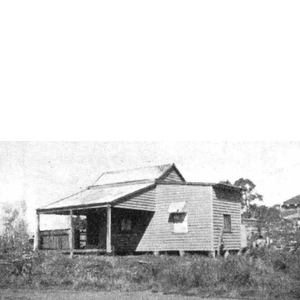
(99, 195)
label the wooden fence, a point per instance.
(59, 239)
(54, 239)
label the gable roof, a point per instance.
(146, 173)
(113, 186)
(293, 201)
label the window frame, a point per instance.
(127, 227)
(179, 227)
(227, 224)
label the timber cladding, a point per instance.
(227, 204)
(150, 210)
(172, 176)
(141, 201)
(160, 235)
(128, 228)
(54, 239)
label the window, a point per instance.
(126, 225)
(178, 216)
(180, 222)
(227, 223)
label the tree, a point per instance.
(249, 195)
(267, 217)
(282, 232)
(14, 232)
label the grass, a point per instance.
(261, 273)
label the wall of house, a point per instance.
(226, 201)
(172, 176)
(146, 200)
(122, 241)
(126, 241)
(142, 201)
(160, 236)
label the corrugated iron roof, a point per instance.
(295, 200)
(147, 173)
(111, 186)
(98, 195)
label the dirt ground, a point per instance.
(76, 295)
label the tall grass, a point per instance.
(262, 273)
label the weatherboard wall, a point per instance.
(142, 201)
(172, 177)
(160, 236)
(226, 202)
(146, 200)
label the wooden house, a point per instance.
(152, 209)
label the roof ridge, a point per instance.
(98, 178)
(141, 173)
(121, 183)
(139, 168)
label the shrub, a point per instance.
(259, 274)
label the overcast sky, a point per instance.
(43, 172)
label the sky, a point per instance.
(43, 172)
